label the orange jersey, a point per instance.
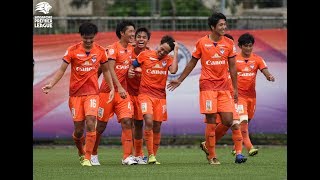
(122, 56)
(84, 68)
(214, 62)
(134, 83)
(154, 74)
(247, 72)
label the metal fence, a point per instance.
(71, 24)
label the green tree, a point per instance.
(129, 8)
(183, 8)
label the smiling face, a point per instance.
(128, 34)
(141, 40)
(221, 27)
(163, 50)
(87, 40)
(246, 49)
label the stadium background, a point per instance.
(265, 19)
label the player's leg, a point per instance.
(104, 112)
(208, 106)
(251, 110)
(91, 110)
(138, 132)
(75, 105)
(124, 112)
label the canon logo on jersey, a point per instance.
(122, 66)
(247, 74)
(84, 69)
(156, 72)
(209, 62)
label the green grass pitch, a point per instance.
(178, 162)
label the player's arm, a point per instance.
(131, 72)
(174, 66)
(57, 76)
(267, 74)
(233, 75)
(173, 84)
(107, 77)
(121, 91)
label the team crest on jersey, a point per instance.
(111, 51)
(164, 63)
(221, 51)
(251, 66)
(93, 59)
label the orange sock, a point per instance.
(245, 136)
(156, 142)
(90, 141)
(237, 140)
(220, 131)
(211, 140)
(138, 143)
(126, 139)
(79, 144)
(96, 144)
(148, 136)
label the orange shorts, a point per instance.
(137, 114)
(121, 107)
(235, 115)
(215, 101)
(81, 106)
(155, 106)
(246, 108)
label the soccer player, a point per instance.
(142, 37)
(217, 54)
(155, 65)
(248, 63)
(119, 59)
(85, 58)
(222, 129)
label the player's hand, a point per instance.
(131, 73)
(122, 92)
(270, 78)
(46, 88)
(111, 95)
(173, 84)
(176, 46)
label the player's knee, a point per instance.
(126, 123)
(78, 132)
(235, 125)
(244, 118)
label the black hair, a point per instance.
(168, 39)
(214, 19)
(143, 29)
(122, 27)
(245, 38)
(229, 36)
(88, 28)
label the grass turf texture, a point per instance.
(178, 162)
